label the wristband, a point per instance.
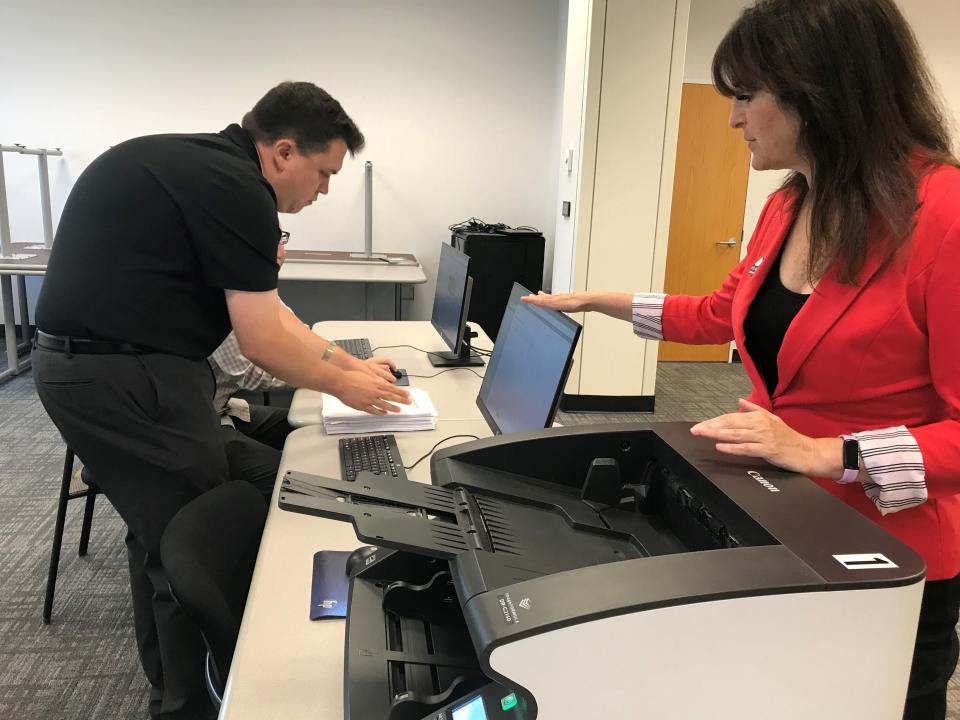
(851, 459)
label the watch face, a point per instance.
(851, 454)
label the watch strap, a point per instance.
(851, 459)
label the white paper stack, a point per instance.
(420, 414)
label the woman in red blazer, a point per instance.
(846, 308)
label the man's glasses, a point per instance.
(284, 237)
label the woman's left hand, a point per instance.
(755, 432)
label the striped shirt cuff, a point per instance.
(647, 315)
(894, 463)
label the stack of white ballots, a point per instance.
(420, 414)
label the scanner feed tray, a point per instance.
(448, 522)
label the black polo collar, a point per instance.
(241, 138)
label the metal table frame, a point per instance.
(10, 269)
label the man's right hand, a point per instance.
(365, 391)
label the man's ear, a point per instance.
(278, 154)
(284, 149)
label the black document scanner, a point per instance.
(616, 571)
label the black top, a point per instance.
(769, 316)
(153, 232)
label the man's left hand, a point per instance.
(755, 432)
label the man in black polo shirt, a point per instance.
(165, 243)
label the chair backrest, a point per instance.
(209, 550)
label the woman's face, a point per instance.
(770, 131)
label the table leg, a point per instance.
(24, 311)
(397, 302)
(9, 327)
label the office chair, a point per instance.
(208, 552)
(68, 493)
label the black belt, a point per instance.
(85, 346)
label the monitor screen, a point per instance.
(450, 300)
(528, 368)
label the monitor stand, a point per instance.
(464, 358)
(372, 257)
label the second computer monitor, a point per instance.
(528, 368)
(451, 303)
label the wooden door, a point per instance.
(709, 195)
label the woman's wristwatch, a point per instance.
(851, 459)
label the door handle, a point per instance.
(729, 243)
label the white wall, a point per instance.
(709, 22)
(555, 153)
(459, 101)
(574, 124)
(620, 119)
(935, 23)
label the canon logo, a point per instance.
(763, 481)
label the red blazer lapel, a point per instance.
(769, 247)
(825, 306)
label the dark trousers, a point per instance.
(935, 652)
(254, 448)
(145, 427)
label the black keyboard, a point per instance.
(374, 453)
(358, 347)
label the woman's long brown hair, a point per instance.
(870, 118)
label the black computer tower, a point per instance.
(497, 261)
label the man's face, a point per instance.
(299, 179)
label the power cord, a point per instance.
(438, 353)
(387, 347)
(478, 225)
(445, 371)
(424, 457)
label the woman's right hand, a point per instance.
(363, 390)
(614, 304)
(564, 302)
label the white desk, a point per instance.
(319, 271)
(285, 666)
(34, 265)
(350, 272)
(454, 393)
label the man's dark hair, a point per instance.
(870, 119)
(304, 113)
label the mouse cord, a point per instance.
(424, 457)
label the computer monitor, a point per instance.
(528, 368)
(451, 303)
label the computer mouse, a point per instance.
(397, 373)
(358, 559)
(401, 375)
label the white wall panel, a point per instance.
(458, 100)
